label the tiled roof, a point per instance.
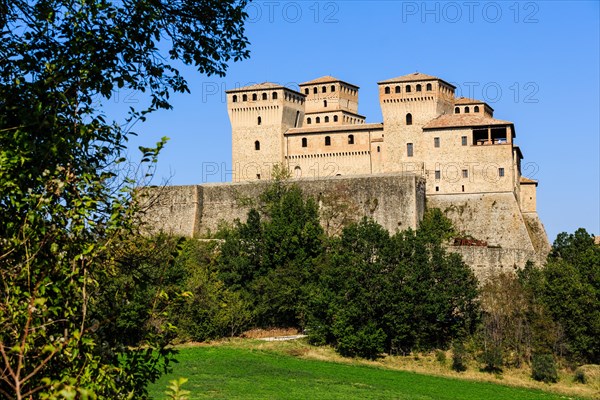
(258, 86)
(527, 180)
(463, 120)
(466, 100)
(334, 128)
(325, 79)
(415, 76)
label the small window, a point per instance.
(436, 142)
(304, 142)
(500, 172)
(465, 173)
(257, 145)
(397, 89)
(429, 87)
(324, 103)
(318, 120)
(378, 149)
(254, 97)
(476, 109)
(264, 96)
(407, 89)
(409, 149)
(257, 176)
(419, 87)
(259, 120)
(324, 89)
(327, 141)
(333, 88)
(308, 121)
(350, 139)
(438, 175)
(456, 110)
(234, 98)
(315, 90)
(274, 95)
(306, 91)
(326, 119)
(245, 97)
(335, 118)
(463, 188)
(437, 188)
(467, 110)
(464, 140)
(409, 119)
(387, 90)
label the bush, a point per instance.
(580, 376)
(543, 368)
(459, 357)
(440, 356)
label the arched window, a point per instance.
(335, 118)
(274, 95)
(409, 119)
(318, 120)
(429, 87)
(254, 97)
(308, 121)
(234, 98)
(264, 96)
(397, 89)
(387, 90)
(407, 89)
(297, 172)
(257, 145)
(327, 141)
(350, 139)
(419, 88)
(324, 103)
(456, 110)
(326, 119)
(304, 142)
(245, 97)
(324, 89)
(315, 91)
(333, 88)
(476, 109)
(467, 110)
(306, 91)
(259, 120)
(378, 149)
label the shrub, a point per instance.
(459, 357)
(543, 368)
(440, 356)
(580, 376)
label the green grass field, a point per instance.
(234, 372)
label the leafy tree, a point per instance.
(64, 206)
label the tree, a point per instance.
(65, 204)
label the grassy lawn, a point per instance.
(251, 372)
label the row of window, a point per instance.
(331, 89)
(467, 110)
(408, 89)
(436, 141)
(254, 97)
(305, 142)
(465, 173)
(318, 119)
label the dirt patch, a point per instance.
(264, 333)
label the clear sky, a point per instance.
(535, 62)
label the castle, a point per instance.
(432, 150)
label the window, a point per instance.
(387, 90)
(274, 95)
(257, 176)
(429, 87)
(335, 118)
(397, 89)
(409, 119)
(333, 88)
(304, 142)
(350, 139)
(476, 109)
(254, 97)
(378, 149)
(326, 119)
(467, 110)
(437, 188)
(463, 140)
(234, 98)
(500, 172)
(436, 142)
(409, 149)
(306, 91)
(463, 188)
(324, 89)
(308, 121)
(438, 175)
(245, 97)
(407, 89)
(315, 91)
(298, 172)
(456, 110)
(465, 173)
(324, 103)
(318, 120)
(264, 96)
(257, 145)
(259, 120)
(327, 141)
(419, 87)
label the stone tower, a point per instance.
(409, 102)
(260, 115)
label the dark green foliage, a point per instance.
(459, 356)
(543, 368)
(580, 376)
(440, 356)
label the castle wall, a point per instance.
(487, 262)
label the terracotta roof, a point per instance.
(528, 181)
(334, 128)
(460, 120)
(260, 86)
(466, 100)
(415, 76)
(325, 79)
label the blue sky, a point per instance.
(535, 62)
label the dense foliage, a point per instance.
(67, 271)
